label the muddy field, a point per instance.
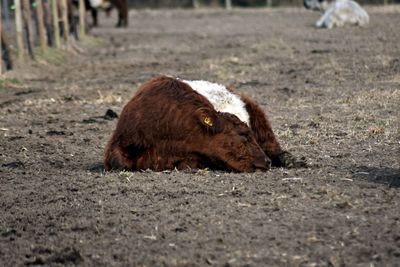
(333, 97)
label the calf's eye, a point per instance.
(244, 138)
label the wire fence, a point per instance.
(37, 25)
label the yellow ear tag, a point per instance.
(208, 121)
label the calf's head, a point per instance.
(228, 143)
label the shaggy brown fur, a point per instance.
(168, 125)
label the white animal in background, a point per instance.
(338, 13)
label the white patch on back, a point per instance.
(341, 12)
(221, 99)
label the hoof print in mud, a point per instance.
(192, 125)
(55, 132)
(14, 165)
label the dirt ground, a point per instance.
(332, 95)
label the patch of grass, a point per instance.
(92, 42)
(52, 56)
(272, 44)
(109, 99)
(376, 130)
(9, 82)
(125, 175)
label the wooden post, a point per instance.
(269, 3)
(5, 54)
(6, 50)
(54, 8)
(195, 4)
(18, 26)
(82, 19)
(41, 28)
(64, 12)
(1, 47)
(228, 4)
(27, 15)
(48, 18)
(6, 14)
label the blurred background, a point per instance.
(236, 3)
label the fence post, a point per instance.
(27, 15)
(6, 14)
(56, 26)
(6, 50)
(41, 28)
(269, 3)
(228, 4)
(18, 26)
(64, 12)
(195, 4)
(1, 47)
(48, 22)
(82, 19)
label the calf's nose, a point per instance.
(262, 163)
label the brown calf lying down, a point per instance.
(172, 123)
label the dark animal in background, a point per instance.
(93, 11)
(122, 8)
(120, 5)
(93, 7)
(171, 123)
(73, 14)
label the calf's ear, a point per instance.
(208, 120)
